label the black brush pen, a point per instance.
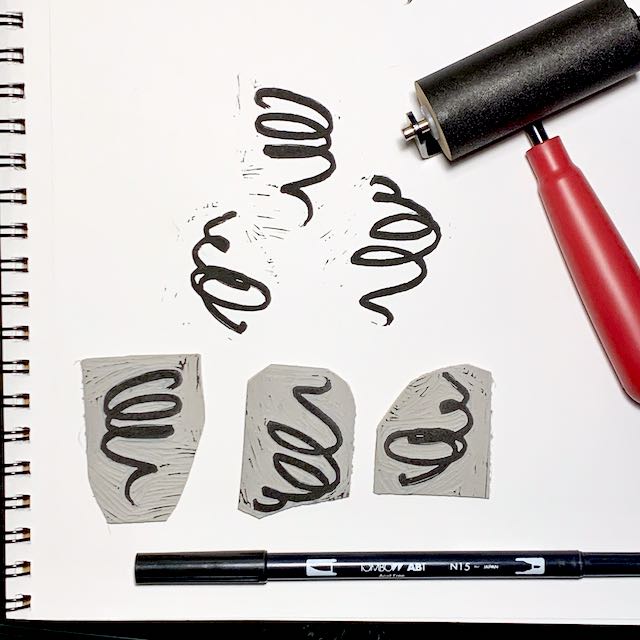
(259, 567)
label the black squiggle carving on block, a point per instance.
(453, 439)
(285, 436)
(364, 257)
(313, 130)
(120, 413)
(205, 273)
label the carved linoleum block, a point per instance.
(298, 442)
(435, 439)
(144, 416)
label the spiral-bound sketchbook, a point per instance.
(234, 298)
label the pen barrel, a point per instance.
(256, 567)
(611, 565)
(424, 566)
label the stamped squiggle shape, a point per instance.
(365, 257)
(312, 131)
(205, 273)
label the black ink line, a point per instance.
(426, 436)
(313, 131)
(276, 229)
(205, 273)
(423, 217)
(284, 436)
(140, 432)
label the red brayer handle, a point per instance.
(603, 269)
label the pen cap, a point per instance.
(238, 567)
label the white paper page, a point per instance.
(153, 123)
(34, 108)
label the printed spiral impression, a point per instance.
(11, 303)
(369, 256)
(312, 138)
(205, 273)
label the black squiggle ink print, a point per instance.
(286, 436)
(205, 273)
(454, 439)
(120, 413)
(363, 257)
(313, 131)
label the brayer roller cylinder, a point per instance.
(530, 75)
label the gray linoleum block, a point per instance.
(298, 439)
(435, 439)
(144, 416)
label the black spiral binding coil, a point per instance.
(12, 303)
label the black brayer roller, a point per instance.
(511, 86)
